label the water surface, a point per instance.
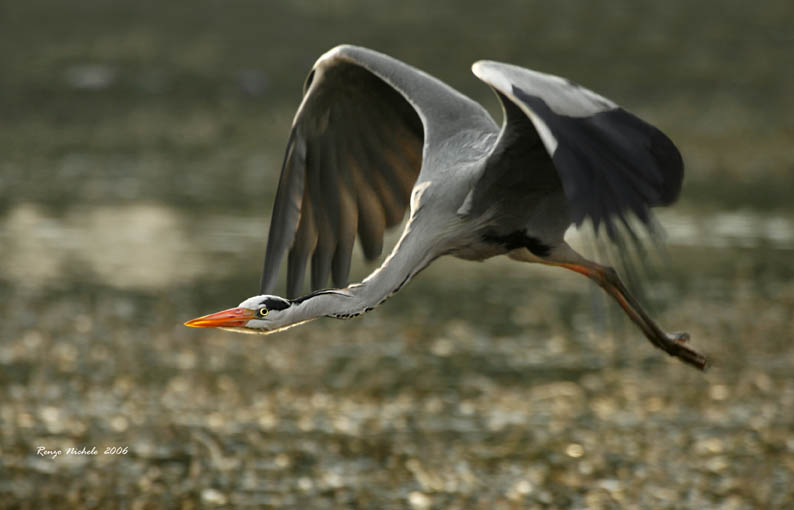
(139, 152)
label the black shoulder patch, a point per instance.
(516, 240)
(275, 303)
(301, 299)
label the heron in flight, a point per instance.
(374, 137)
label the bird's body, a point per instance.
(374, 138)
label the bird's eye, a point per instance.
(263, 311)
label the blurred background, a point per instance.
(140, 146)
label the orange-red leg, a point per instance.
(608, 279)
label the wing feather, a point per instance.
(372, 218)
(355, 152)
(302, 249)
(319, 173)
(610, 163)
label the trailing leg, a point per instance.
(607, 278)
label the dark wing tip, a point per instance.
(671, 166)
(612, 164)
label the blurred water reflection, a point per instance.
(149, 247)
(139, 150)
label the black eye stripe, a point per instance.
(274, 304)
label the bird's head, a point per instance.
(259, 315)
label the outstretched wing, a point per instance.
(610, 163)
(356, 148)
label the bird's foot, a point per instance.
(680, 337)
(673, 344)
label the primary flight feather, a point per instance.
(374, 137)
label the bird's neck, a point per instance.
(398, 269)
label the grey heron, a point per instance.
(374, 137)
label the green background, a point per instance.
(140, 145)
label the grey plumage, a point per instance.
(610, 162)
(361, 133)
(368, 122)
(374, 138)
